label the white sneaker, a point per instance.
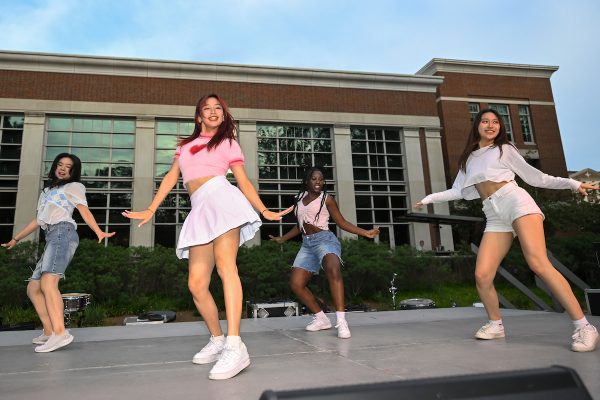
(40, 339)
(211, 352)
(585, 339)
(232, 361)
(55, 342)
(318, 324)
(490, 331)
(343, 330)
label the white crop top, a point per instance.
(485, 164)
(57, 204)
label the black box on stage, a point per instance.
(592, 298)
(284, 308)
(550, 383)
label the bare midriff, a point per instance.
(195, 184)
(310, 229)
(488, 188)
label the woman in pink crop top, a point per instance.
(486, 169)
(221, 219)
(320, 249)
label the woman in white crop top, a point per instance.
(320, 249)
(487, 170)
(221, 219)
(62, 194)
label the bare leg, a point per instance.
(225, 248)
(493, 248)
(54, 302)
(34, 292)
(298, 282)
(530, 230)
(333, 268)
(201, 264)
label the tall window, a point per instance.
(106, 148)
(473, 110)
(11, 135)
(525, 119)
(176, 206)
(284, 153)
(379, 179)
(504, 112)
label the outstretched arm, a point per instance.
(91, 222)
(247, 188)
(339, 219)
(32, 226)
(295, 231)
(454, 193)
(168, 182)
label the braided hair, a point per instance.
(304, 189)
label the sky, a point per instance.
(387, 36)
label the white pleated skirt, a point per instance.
(217, 207)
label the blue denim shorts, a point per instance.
(314, 248)
(61, 243)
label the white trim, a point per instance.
(487, 68)
(495, 101)
(147, 68)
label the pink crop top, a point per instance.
(308, 214)
(195, 161)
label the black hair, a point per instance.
(75, 173)
(304, 188)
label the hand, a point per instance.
(418, 205)
(9, 245)
(278, 239)
(582, 188)
(371, 233)
(103, 235)
(145, 215)
(276, 216)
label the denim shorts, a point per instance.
(314, 248)
(507, 204)
(61, 243)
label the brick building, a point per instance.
(386, 139)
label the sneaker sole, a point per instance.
(55, 347)
(230, 374)
(587, 349)
(320, 329)
(201, 361)
(39, 342)
(491, 337)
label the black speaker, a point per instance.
(550, 383)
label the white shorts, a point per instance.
(507, 204)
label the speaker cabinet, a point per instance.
(550, 383)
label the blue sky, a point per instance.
(392, 36)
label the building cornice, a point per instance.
(486, 68)
(97, 65)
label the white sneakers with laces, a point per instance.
(211, 352)
(233, 360)
(585, 339)
(43, 338)
(55, 342)
(490, 331)
(318, 324)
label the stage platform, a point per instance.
(154, 361)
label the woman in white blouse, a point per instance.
(62, 194)
(487, 169)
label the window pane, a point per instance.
(122, 155)
(166, 142)
(123, 140)
(58, 138)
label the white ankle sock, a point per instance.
(234, 340)
(497, 322)
(340, 315)
(580, 323)
(321, 315)
(217, 338)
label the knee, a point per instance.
(297, 285)
(484, 277)
(33, 289)
(538, 264)
(334, 273)
(227, 271)
(198, 286)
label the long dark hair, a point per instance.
(227, 129)
(304, 188)
(474, 138)
(75, 173)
